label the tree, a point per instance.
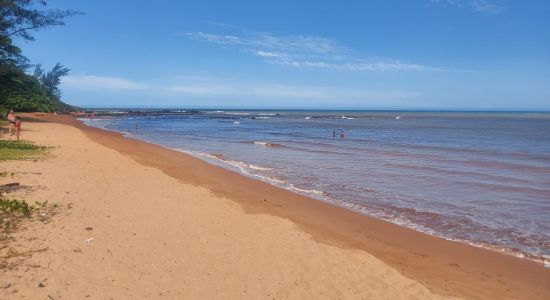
(18, 18)
(51, 80)
(25, 93)
(18, 90)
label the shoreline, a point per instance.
(125, 230)
(208, 158)
(498, 249)
(319, 195)
(445, 267)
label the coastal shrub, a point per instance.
(21, 145)
(17, 150)
(13, 207)
(12, 211)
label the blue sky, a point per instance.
(378, 54)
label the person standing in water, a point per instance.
(342, 135)
(334, 134)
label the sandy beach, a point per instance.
(137, 220)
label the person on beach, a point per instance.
(11, 119)
(17, 126)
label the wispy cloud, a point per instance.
(488, 6)
(295, 43)
(270, 54)
(225, 89)
(359, 66)
(86, 82)
(302, 51)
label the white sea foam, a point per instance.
(200, 154)
(305, 191)
(237, 113)
(241, 166)
(255, 167)
(266, 144)
(245, 168)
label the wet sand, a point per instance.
(367, 252)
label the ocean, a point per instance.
(482, 178)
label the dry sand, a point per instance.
(166, 225)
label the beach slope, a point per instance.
(125, 229)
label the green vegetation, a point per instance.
(12, 211)
(22, 92)
(19, 90)
(17, 150)
(14, 207)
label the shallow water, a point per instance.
(480, 178)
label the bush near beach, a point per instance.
(16, 150)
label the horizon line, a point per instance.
(318, 109)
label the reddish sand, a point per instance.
(444, 267)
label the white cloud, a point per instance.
(489, 6)
(303, 51)
(486, 6)
(295, 43)
(359, 66)
(101, 82)
(269, 54)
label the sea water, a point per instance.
(478, 177)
